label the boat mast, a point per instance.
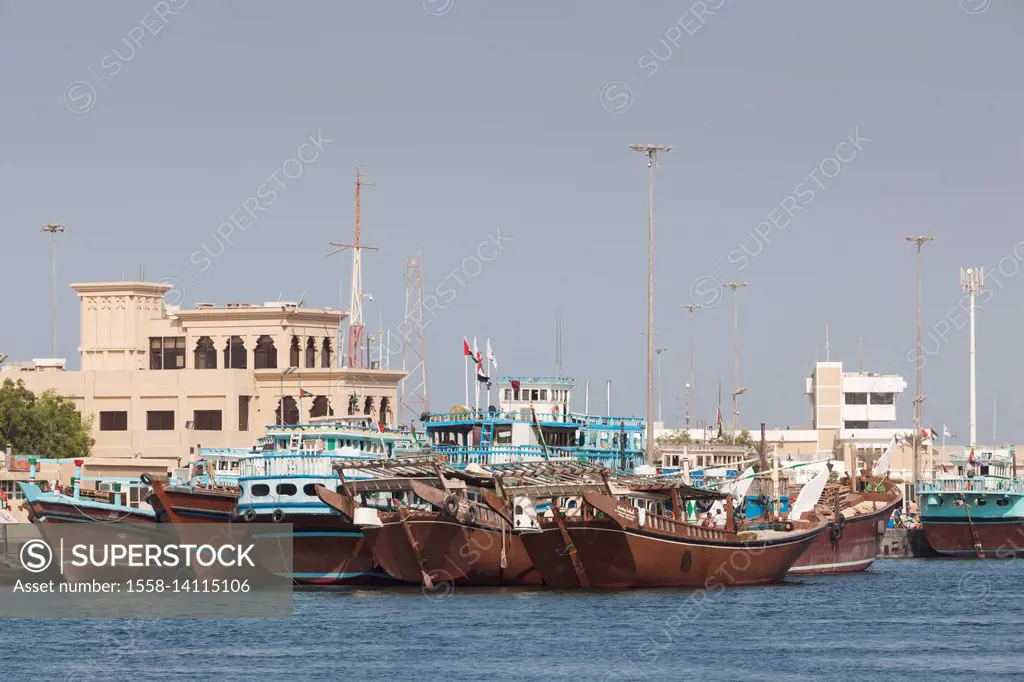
(355, 315)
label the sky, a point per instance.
(214, 145)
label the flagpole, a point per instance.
(466, 358)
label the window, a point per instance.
(291, 411)
(167, 352)
(260, 490)
(543, 394)
(113, 421)
(293, 353)
(205, 354)
(883, 398)
(321, 407)
(160, 420)
(855, 425)
(310, 352)
(856, 398)
(265, 355)
(325, 354)
(508, 394)
(309, 489)
(207, 420)
(234, 353)
(286, 489)
(243, 412)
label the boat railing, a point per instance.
(287, 466)
(664, 524)
(971, 484)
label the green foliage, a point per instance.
(46, 425)
(681, 439)
(744, 438)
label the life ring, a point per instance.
(277, 516)
(146, 479)
(451, 505)
(249, 515)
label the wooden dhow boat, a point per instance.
(425, 521)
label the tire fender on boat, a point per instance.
(837, 529)
(146, 479)
(451, 505)
(249, 515)
(277, 516)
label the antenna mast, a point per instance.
(558, 344)
(355, 314)
(414, 350)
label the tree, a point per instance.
(744, 438)
(47, 425)
(682, 438)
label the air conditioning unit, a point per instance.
(204, 306)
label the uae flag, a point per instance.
(304, 393)
(718, 418)
(380, 426)
(465, 348)
(515, 385)
(481, 373)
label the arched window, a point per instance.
(311, 352)
(293, 354)
(206, 354)
(385, 411)
(234, 353)
(325, 354)
(321, 407)
(291, 411)
(265, 355)
(368, 405)
(353, 404)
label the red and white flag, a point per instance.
(465, 348)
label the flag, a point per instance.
(934, 433)
(465, 348)
(380, 426)
(303, 393)
(476, 353)
(490, 355)
(946, 433)
(481, 374)
(719, 418)
(515, 384)
(970, 459)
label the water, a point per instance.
(935, 619)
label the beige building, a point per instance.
(159, 381)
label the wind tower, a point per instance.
(414, 348)
(356, 356)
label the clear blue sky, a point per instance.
(472, 116)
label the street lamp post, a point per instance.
(54, 229)
(919, 399)
(651, 152)
(689, 387)
(736, 390)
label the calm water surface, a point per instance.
(930, 620)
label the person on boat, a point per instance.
(708, 522)
(720, 518)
